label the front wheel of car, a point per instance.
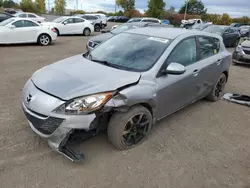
(86, 32)
(218, 89)
(129, 129)
(44, 39)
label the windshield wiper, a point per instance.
(107, 63)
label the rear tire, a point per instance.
(129, 129)
(86, 32)
(236, 43)
(44, 39)
(218, 89)
(97, 28)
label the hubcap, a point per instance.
(135, 129)
(87, 32)
(220, 87)
(44, 39)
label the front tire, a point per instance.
(86, 32)
(129, 129)
(44, 39)
(218, 89)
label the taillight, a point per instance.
(53, 29)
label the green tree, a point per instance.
(126, 4)
(1, 3)
(195, 7)
(156, 8)
(60, 6)
(40, 6)
(225, 19)
(8, 4)
(28, 6)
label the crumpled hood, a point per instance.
(77, 76)
(101, 38)
(246, 43)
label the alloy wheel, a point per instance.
(136, 129)
(220, 86)
(44, 40)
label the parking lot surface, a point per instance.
(204, 145)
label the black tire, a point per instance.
(57, 32)
(44, 39)
(86, 32)
(236, 43)
(119, 123)
(97, 28)
(215, 95)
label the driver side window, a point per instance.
(69, 21)
(184, 53)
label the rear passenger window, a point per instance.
(208, 46)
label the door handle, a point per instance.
(218, 62)
(195, 72)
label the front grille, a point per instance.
(45, 126)
(244, 60)
(247, 51)
(92, 44)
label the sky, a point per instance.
(234, 8)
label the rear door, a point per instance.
(79, 25)
(209, 65)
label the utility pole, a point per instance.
(186, 10)
(76, 4)
(48, 6)
(115, 7)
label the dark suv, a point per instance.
(95, 20)
(5, 16)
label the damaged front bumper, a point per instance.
(57, 139)
(242, 57)
(55, 128)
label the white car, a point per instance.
(30, 16)
(22, 30)
(71, 25)
(103, 17)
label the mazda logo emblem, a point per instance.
(28, 99)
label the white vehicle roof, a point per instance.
(18, 18)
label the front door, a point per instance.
(68, 27)
(24, 31)
(176, 91)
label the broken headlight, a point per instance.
(239, 48)
(86, 104)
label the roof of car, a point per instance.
(164, 32)
(18, 18)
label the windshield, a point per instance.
(134, 20)
(122, 28)
(5, 22)
(58, 20)
(214, 29)
(130, 51)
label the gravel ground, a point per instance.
(204, 145)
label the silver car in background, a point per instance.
(124, 86)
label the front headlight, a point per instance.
(84, 105)
(239, 48)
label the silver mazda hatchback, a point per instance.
(124, 86)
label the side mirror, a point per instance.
(64, 23)
(12, 26)
(175, 68)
